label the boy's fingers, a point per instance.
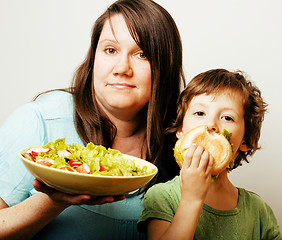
(204, 160)
(197, 157)
(210, 164)
(188, 155)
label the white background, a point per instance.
(43, 42)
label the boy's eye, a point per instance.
(227, 118)
(199, 113)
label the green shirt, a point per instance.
(251, 219)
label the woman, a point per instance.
(123, 96)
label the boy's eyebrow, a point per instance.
(196, 104)
(204, 105)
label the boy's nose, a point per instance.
(213, 127)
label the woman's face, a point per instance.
(122, 74)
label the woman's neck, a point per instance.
(131, 144)
(130, 137)
(222, 195)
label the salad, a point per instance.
(92, 159)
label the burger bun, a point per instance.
(216, 144)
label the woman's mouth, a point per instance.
(120, 85)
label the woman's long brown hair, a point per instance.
(154, 30)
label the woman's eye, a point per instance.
(110, 50)
(141, 55)
(227, 118)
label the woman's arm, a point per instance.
(24, 220)
(3, 204)
(195, 179)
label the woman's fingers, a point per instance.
(40, 186)
(70, 199)
(58, 196)
(104, 199)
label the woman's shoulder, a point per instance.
(55, 95)
(55, 104)
(52, 105)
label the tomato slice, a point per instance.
(103, 168)
(81, 169)
(74, 163)
(68, 169)
(45, 163)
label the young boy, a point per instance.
(192, 206)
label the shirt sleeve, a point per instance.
(160, 202)
(23, 128)
(270, 228)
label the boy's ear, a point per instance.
(179, 132)
(244, 147)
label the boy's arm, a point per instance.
(183, 225)
(195, 179)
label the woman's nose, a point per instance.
(123, 66)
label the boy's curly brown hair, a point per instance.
(217, 80)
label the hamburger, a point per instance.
(217, 144)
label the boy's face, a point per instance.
(217, 111)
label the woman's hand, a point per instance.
(195, 175)
(66, 200)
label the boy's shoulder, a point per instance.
(171, 184)
(252, 200)
(253, 206)
(165, 190)
(161, 202)
(249, 195)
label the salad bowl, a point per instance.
(94, 185)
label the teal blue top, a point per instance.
(48, 118)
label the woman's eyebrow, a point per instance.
(107, 40)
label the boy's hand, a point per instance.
(195, 174)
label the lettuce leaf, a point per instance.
(94, 156)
